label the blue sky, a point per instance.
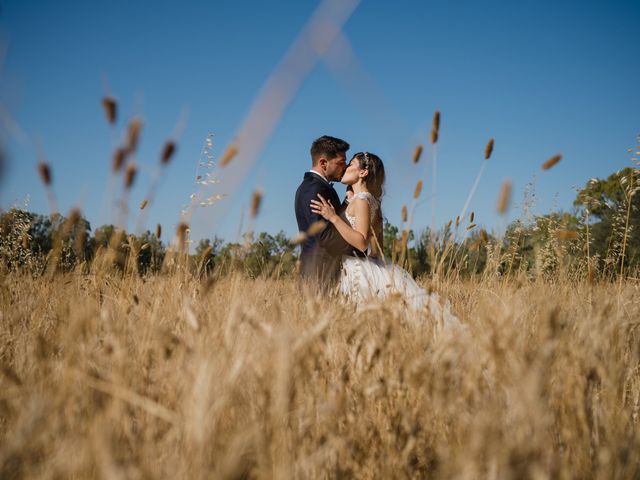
(540, 77)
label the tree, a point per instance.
(390, 237)
(613, 206)
(32, 240)
(15, 240)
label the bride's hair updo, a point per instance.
(375, 178)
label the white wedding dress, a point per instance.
(363, 279)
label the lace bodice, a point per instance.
(373, 207)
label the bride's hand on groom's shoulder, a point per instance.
(324, 208)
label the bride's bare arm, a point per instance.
(356, 237)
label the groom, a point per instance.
(322, 253)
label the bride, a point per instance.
(365, 278)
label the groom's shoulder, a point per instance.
(311, 182)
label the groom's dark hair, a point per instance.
(328, 147)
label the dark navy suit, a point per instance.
(322, 253)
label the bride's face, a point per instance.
(352, 173)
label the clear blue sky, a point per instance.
(542, 77)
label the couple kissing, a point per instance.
(346, 256)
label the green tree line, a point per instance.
(599, 238)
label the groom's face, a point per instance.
(336, 167)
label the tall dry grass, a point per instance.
(108, 374)
(117, 376)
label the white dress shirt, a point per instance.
(321, 176)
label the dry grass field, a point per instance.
(117, 376)
(125, 358)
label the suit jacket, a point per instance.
(322, 253)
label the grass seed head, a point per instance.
(471, 217)
(45, 172)
(316, 228)
(404, 214)
(483, 235)
(488, 150)
(417, 154)
(130, 175)
(117, 238)
(551, 162)
(119, 157)
(73, 219)
(158, 231)
(256, 201)
(143, 204)
(110, 109)
(181, 233)
(505, 197)
(133, 135)
(436, 121)
(167, 152)
(231, 152)
(435, 128)
(472, 226)
(298, 239)
(457, 221)
(418, 190)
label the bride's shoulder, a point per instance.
(367, 198)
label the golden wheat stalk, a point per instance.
(129, 396)
(167, 153)
(314, 229)
(182, 232)
(487, 154)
